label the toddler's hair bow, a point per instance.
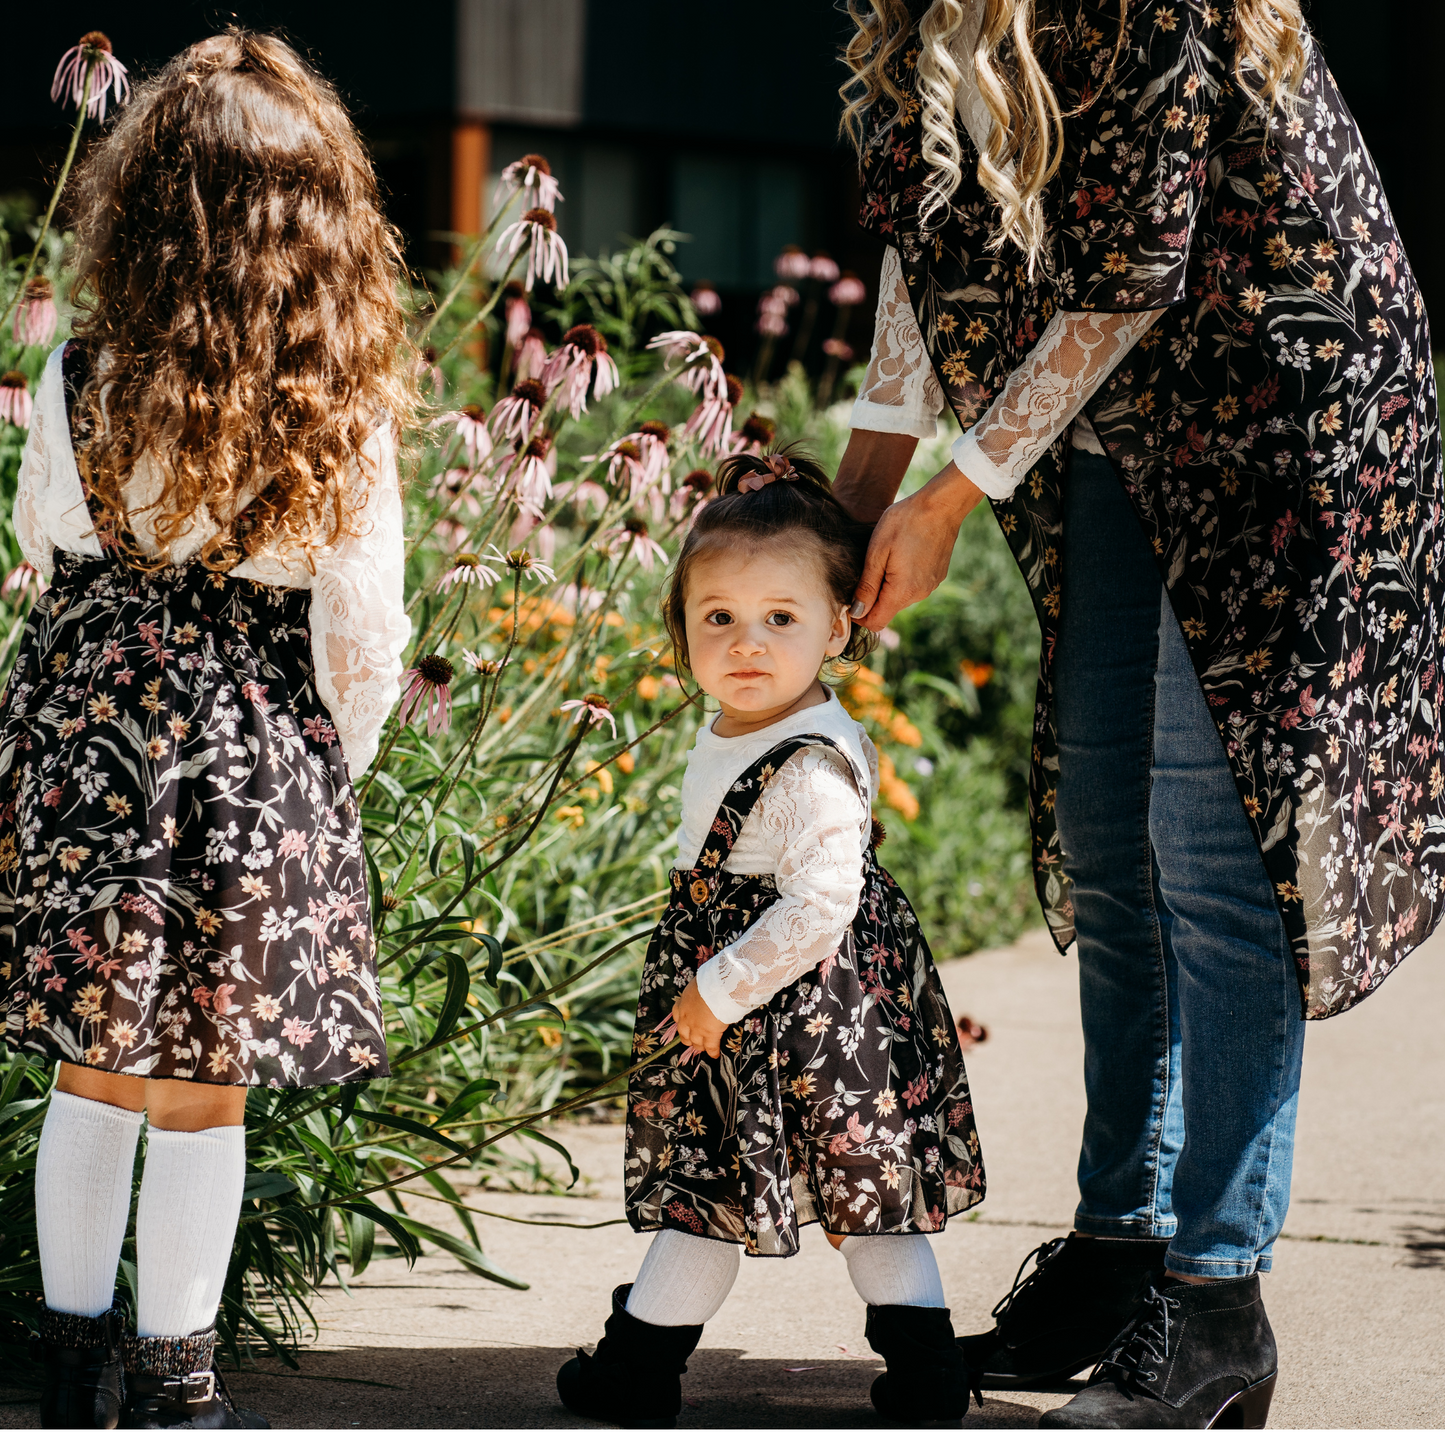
(779, 468)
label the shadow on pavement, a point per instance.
(512, 1386)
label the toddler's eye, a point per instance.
(719, 618)
(779, 619)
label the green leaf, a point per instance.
(466, 1101)
(459, 985)
(267, 1186)
(494, 955)
(468, 1254)
(552, 1144)
(403, 1230)
(407, 1125)
(361, 1236)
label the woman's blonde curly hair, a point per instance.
(1010, 56)
(239, 291)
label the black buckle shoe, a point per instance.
(927, 1382)
(173, 1384)
(634, 1376)
(84, 1385)
(1194, 1357)
(1060, 1318)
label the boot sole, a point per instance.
(1247, 1410)
(1028, 1382)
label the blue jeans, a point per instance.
(1192, 1031)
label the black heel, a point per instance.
(1250, 1408)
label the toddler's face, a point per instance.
(759, 626)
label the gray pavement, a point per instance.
(1356, 1295)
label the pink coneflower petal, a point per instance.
(531, 175)
(587, 494)
(529, 525)
(513, 416)
(518, 314)
(524, 564)
(472, 428)
(581, 599)
(581, 360)
(705, 301)
(594, 708)
(848, 290)
(467, 567)
(792, 263)
(426, 690)
(823, 268)
(107, 73)
(15, 402)
(22, 579)
(838, 348)
(546, 251)
(531, 355)
(36, 317)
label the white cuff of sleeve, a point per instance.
(360, 757)
(715, 996)
(895, 420)
(969, 458)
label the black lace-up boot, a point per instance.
(634, 1376)
(1194, 1357)
(926, 1383)
(1062, 1317)
(173, 1384)
(84, 1378)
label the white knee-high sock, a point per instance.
(82, 1200)
(683, 1280)
(185, 1224)
(894, 1269)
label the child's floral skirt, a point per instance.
(843, 1100)
(182, 889)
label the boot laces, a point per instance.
(1143, 1342)
(1045, 1254)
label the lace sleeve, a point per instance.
(814, 813)
(1071, 360)
(359, 624)
(34, 538)
(900, 392)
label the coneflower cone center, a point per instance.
(530, 390)
(540, 216)
(435, 670)
(96, 40)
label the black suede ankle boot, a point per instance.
(84, 1385)
(634, 1376)
(926, 1382)
(1194, 1357)
(173, 1384)
(1062, 1317)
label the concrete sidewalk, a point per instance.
(1355, 1298)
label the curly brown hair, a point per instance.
(801, 508)
(238, 292)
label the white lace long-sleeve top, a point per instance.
(809, 830)
(1070, 361)
(358, 619)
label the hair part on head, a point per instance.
(238, 291)
(800, 504)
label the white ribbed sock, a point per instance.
(683, 1280)
(185, 1223)
(893, 1269)
(82, 1200)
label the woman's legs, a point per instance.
(1241, 1033)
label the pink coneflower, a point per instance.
(847, 290)
(707, 376)
(592, 709)
(15, 403)
(581, 358)
(772, 323)
(578, 600)
(531, 355)
(823, 268)
(426, 367)
(518, 314)
(691, 494)
(529, 524)
(705, 301)
(468, 567)
(93, 54)
(792, 263)
(21, 579)
(531, 482)
(35, 318)
(514, 416)
(427, 691)
(487, 666)
(546, 251)
(524, 564)
(835, 346)
(754, 434)
(472, 428)
(632, 540)
(586, 494)
(624, 464)
(533, 177)
(712, 422)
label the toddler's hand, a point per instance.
(697, 1025)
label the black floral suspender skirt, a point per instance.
(182, 888)
(842, 1100)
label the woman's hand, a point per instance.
(697, 1025)
(912, 546)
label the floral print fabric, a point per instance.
(1277, 431)
(843, 1099)
(182, 889)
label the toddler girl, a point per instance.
(821, 1078)
(210, 485)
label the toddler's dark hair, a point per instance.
(803, 502)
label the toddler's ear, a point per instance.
(841, 631)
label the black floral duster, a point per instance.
(1277, 430)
